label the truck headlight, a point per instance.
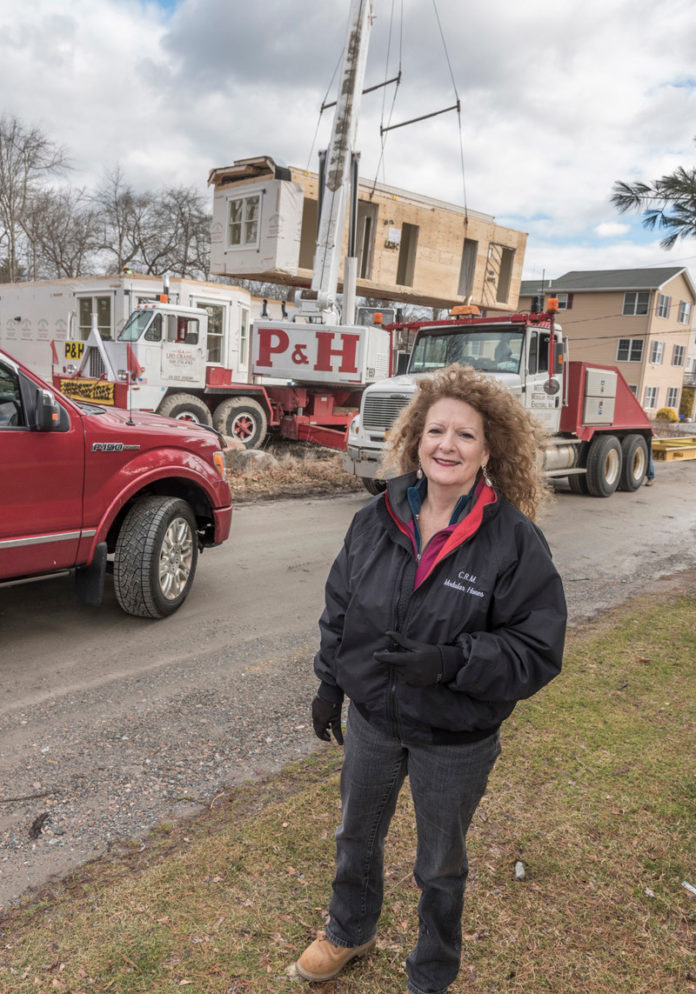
(355, 425)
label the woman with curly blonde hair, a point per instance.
(443, 609)
(514, 438)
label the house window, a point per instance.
(101, 306)
(243, 221)
(630, 350)
(672, 397)
(678, 355)
(650, 397)
(565, 301)
(633, 387)
(657, 351)
(663, 305)
(636, 303)
(468, 268)
(684, 312)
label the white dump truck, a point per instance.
(599, 435)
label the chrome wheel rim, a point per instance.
(176, 558)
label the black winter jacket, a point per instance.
(493, 599)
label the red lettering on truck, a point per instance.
(272, 341)
(347, 353)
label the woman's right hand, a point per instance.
(326, 718)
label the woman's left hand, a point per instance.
(416, 663)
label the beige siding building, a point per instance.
(641, 320)
(409, 248)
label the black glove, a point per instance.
(326, 718)
(416, 663)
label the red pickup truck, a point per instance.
(93, 489)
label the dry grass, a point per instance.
(595, 793)
(299, 470)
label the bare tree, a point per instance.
(62, 227)
(27, 156)
(120, 210)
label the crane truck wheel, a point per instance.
(604, 461)
(156, 556)
(634, 450)
(186, 407)
(373, 487)
(242, 418)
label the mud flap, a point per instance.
(89, 580)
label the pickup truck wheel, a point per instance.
(186, 407)
(155, 557)
(603, 466)
(634, 450)
(373, 486)
(242, 418)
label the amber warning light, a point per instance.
(552, 305)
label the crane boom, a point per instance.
(336, 180)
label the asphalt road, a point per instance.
(110, 724)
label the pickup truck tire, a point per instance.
(634, 449)
(373, 487)
(155, 557)
(186, 407)
(604, 461)
(242, 418)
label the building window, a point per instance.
(657, 351)
(507, 258)
(678, 355)
(673, 397)
(467, 268)
(101, 306)
(633, 387)
(630, 350)
(243, 222)
(684, 312)
(565, 301)
(663, 305)
(406, 264)
(650, 397)
(636, 303)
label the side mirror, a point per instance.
(47, 416)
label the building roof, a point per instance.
(578, 281)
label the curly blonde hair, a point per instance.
(513, 437)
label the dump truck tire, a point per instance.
(634, 450)
(604, 461)
(373, 487)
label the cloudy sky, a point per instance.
(559, 99)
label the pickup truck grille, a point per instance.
(96, 364)
(380, 411)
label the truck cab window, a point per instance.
(154, 332)
(11, 414)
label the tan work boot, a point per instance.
(322, 960)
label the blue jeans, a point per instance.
(447, 783)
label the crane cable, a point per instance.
(459, 110)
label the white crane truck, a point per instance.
(308, 373)
(599, 435)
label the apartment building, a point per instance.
(641, 320)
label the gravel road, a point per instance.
(110, 725)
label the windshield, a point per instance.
(492, 350)
(135, 326)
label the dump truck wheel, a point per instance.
(186, 407)
(634, 450)
(578, 484)
(603, 465)
(156, 556)
(242, 418)
(373, 487)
